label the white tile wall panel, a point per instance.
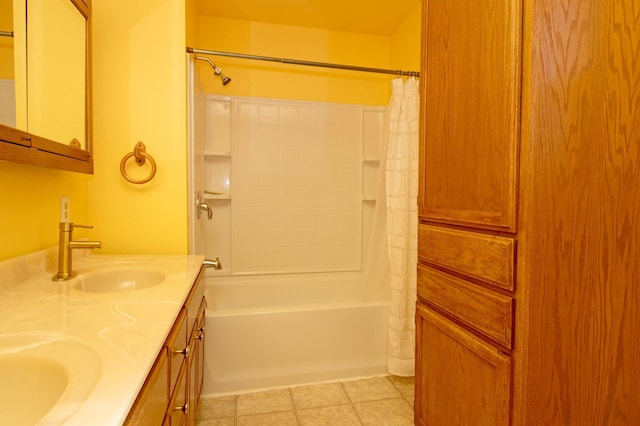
(297, 195)
(295, 175)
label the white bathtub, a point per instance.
(282, 330)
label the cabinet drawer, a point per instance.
(488, 313)
(485, 257)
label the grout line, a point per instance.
(235, 410)
(293, 404)
(353, 407)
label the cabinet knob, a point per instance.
(184, 352)
(184, 408)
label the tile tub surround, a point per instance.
(123, 332)
(375, 401)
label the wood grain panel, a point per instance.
(484, 257)
(151, 404)
(583, 198)
(194, 300)
(176, 343)
(178, 411)
(471, 111)
(464, 381)
(486, 312)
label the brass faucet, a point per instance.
(65, 248)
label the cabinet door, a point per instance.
(470, 95)
(178, 409)
(196, 363)
(460, 380)
(151, 404)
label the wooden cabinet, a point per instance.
(171, 392)
(470, 112)
(475, 386)
(179, 410)
(529, 209)
(151, 404)
(196, 367)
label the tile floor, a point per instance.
(377, 401)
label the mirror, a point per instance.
(51, 57)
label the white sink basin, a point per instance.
(118, 279)
(43, 380)
(30, 387)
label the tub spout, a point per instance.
(215, 264)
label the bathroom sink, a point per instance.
(30, 387)
(43, 380)
(118, 279)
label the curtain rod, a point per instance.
(307, 63)
(6, 33)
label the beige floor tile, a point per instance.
(320, 395)
(388, 412)
(264, 402)
(287, 418)
(214, 408)
(410, 400)
(227, 421)
(341, 415)
(370, 389)
(404, 384)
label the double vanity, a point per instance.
(119, 343)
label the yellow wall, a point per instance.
(139, 94)
(30, 196)
(265, 79)
(191, 22)
(30, 206)
(139, 70)
(405, 42)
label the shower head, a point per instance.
(225, 80)
(216, 70)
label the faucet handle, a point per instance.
(75, 225)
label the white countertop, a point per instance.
(106, 341)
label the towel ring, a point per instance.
(139, 152)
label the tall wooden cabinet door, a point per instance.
(460, 380)
(470, 96)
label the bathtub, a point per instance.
(272, 331)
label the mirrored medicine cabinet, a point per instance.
(45, 78)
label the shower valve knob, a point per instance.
(205, 207)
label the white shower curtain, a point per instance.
(391, 261)
(402, 221)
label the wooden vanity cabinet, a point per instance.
(196, 368)
(178, 410)
(171, 392)
(151, 404)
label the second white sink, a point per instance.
(44, 379)
(118, 279)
